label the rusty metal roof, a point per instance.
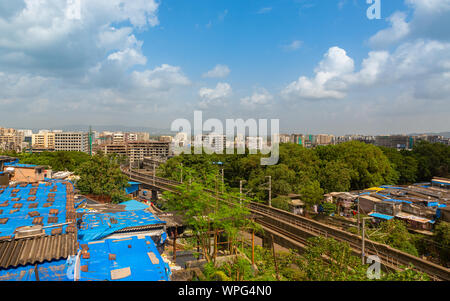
(17, 252)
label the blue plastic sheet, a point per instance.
(47, 271)
(99, 225)
(131, 254)
(379, 215)
(20, 217)
(133, 205)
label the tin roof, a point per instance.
(21, 252)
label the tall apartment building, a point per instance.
(11, 139)
(255, 143)
(166, 138)
(120, 137)
(284, 138)
(72, 141)
(395, 141)
(27, 136)
(136, 151)
(215, 142)
(324, 139)
(43, 140)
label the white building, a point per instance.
(72, 141)
(254, 143)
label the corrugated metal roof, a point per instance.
(58, 241)
(19, 252)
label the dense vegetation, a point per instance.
(339, 265)
(324, 259)
(101, 176)
(57, 161)
(312, 172)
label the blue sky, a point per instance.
(318, 66)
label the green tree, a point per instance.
(311, 193)
(335, 176)
(442, 239)
(281, 202)
(433, 160)
(369, 165)
(205, 214)
(404, 163)
(101, 176)
(395, 234)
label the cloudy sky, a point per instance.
(318, 66)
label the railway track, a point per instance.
(391, 258)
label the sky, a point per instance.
(317, 66)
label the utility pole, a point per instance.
(363, 239)
(270, 190)
(129, 161)
(223, 184)
(240, 190)
(181, 180)
(90, 140)
(358, 216)
(154, 173)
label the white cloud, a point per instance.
(219, 71)
(328, 81)
(398, 30)
(214, 96)
(161, 78)
(39, 37)
(296, 44)
(264, 10)
(430, 19)
(257, 99)
(82, 66)
(221, 90)
(423, 65)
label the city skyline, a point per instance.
(318, 67)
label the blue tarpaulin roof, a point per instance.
(398, 201)
(134, 186)
(391, 187)
(18, 217)
(96, 226)
(442, 183)
(133, 205)
(134, 259)
(379, 215)
(17, 164)
(47, 271)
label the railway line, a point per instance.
(296, 228)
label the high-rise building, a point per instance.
(324, 139)
(43, 140)
(136, 151)
(72, 141)
(254, 143)
(395, 141)
(11, 139)
(214, 142)
(285, 138)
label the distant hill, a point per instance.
(445, 134)
(112, 128)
